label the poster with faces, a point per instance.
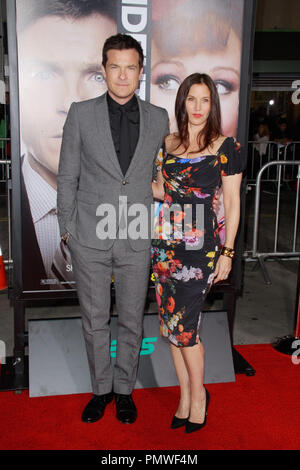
(59, 61)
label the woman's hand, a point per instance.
(215, 201)
(223, 268)
(158, 187)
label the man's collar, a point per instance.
(131, 105)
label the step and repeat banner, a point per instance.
(58, 50)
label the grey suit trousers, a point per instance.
(93, 270)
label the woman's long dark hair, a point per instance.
(212, 128)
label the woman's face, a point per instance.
(198, 104)
(223, 67)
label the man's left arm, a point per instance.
(69, 169)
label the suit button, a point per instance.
(124, 182)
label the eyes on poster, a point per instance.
(59, 55)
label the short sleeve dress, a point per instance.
(185, 244)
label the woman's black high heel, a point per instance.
(178, 422)
(191, 427)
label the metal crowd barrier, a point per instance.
(5, 163)
(291, 251)
(291, 152)
(261, 153)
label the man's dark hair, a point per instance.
(29, 11)
(120, 42)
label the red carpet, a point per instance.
(259, 412)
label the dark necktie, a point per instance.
(125, 149)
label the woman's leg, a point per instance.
(183, 409)
(194, 364)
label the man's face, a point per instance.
(122, 73)
(59, 63)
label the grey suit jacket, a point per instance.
(90, 180)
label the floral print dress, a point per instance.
(185, 245)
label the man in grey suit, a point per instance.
(105, 173)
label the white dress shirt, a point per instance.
(42, 201)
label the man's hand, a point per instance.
(65, 238)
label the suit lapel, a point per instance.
(144, 125)
(105, 137)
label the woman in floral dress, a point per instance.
(186, 255)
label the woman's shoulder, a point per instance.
(171, 142)
(231, 157)
(220, 142)
(172, 137)
(223, 138)
(228, 143)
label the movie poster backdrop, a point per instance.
(59, 61)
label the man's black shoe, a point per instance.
(126, 409)
(95, 408)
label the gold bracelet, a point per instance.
(228, 252)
